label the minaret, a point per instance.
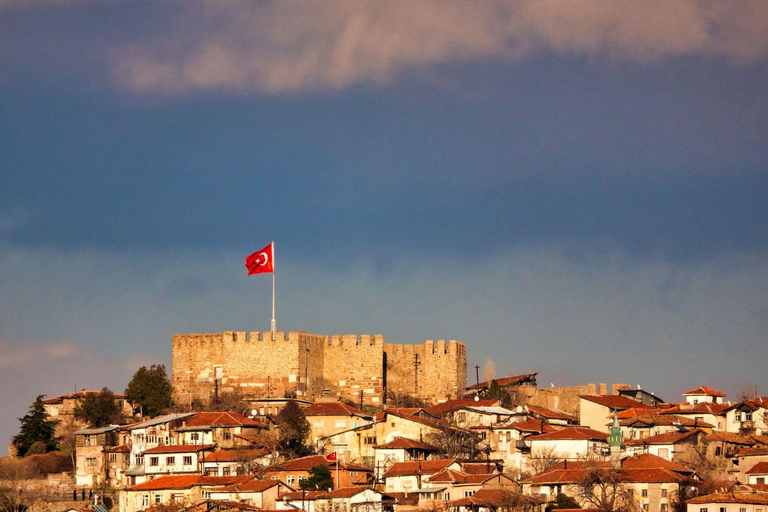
(614, 441)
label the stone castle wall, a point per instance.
(310, 365)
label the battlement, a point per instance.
(308, 365)
(348, 340)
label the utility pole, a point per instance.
(361, 399)
(477, 374)
(306, 374)
(416, 364)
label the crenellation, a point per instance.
(304, 364)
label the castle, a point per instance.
(309, 365)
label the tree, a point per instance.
(562, 501)
(455, 442)
(542, 459)
(36, 427)
(320, 478)
(150, 390)
(98, 409)
(294, 429)
(605, 489)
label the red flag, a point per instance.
(331, 456)
(261, 261)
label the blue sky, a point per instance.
(573, 188)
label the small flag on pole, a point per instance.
(261, 261)
(331, 456)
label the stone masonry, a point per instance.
(309, 365)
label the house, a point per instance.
(91, 461)
(570, 443)
(235, 462)
(652, 482)
(460, 484)
(491, 500)
(669, 445)
(642, 396)
(62, 409)
(758, 473)
(445, 409)
(146, 435)
(262, 494)
(291, 472)
(747, 417)
(641, 427)
(469, 416)
(746, 459)
(177, 459)
(733, 501)
(508, 441)
(704, 394)
(507, 383)
(595, 411)
(118, 462)
(413, 476)
(702, 412)
(401, 450)
(328, 418)
(299, 500)
(219, 428)
(183, 489)
(548, 415)
(357, 499)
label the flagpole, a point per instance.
(274, 325)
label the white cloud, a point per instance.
(301, 45)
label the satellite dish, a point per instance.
(254, 412)
(477, 398)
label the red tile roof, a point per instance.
(753, 498)
(456, 404)
(77, 395)
(180, 448)
(311, 461)
(665, 438)
(700, 408)
(761, 468)
(125, 448)
(551, 413)
(512, 380)
(303, 495)
(496, 499)
(220, 419)
(334, 409)
(423, 467)
(405, 444)
(728, 437)
(650, 461)
(664, 420)
(254, 485)
(617, 402)
(529, 425)
(460, 477)
(234, 455)
(167, 482)
(403, 411)
(572, 433)
(561, 475)
(346, 492)
(704, 390)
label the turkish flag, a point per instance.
(331, 456)
(261, 261)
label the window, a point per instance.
(760, 480)
(737, 416)
(177, 498)
(467, 494)
(747, 417)
(743, 509)
(211, 471)
(718, 450)
(644, 493)
(142, 501)
(664, 507)
(187, 460)
(140, 459)
(158, 498)
(703, 509)
(663, 493)
(112, 457)
(290, 479)
(664, 453)
(90, 462)
(723, 509)
(370, 440)
(353, 473)
(446, 496)
(195, 436)
(227, 435)
(225, 471)
(89, 440)
(170, 461)
(318, 423)
(154, 461)
(341, 423)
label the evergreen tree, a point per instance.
(320, 478)
(294, 429)
(98, 409)
(151, 390)
(36, 429)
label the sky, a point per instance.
(577, 189)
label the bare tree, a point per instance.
(456, 442)
(706, 464)
(542, 459)
(14, 474)
(605, 489)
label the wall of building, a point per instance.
(310, 365)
